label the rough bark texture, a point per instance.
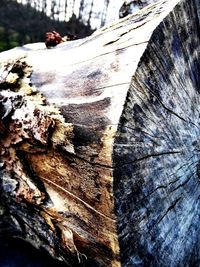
(99, 142)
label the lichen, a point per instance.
(28, 124)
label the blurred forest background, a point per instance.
(27, 21)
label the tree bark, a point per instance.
(99, 142)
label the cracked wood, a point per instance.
(99, 142)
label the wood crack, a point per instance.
(77, 198)
(171, 111)
(171, 207)
(112, 42)
(149, 156)
(130, 162)
(171, 182)
(110, 52)
(184, 183)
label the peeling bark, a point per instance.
(99, 142)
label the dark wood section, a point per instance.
(156, 153)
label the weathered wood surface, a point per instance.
(99, 142)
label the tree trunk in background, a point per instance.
(104, 12)
(99, 142)
(81, 8)
(90, 13)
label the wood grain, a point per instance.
(99, 142)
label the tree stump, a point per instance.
(99, 142)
